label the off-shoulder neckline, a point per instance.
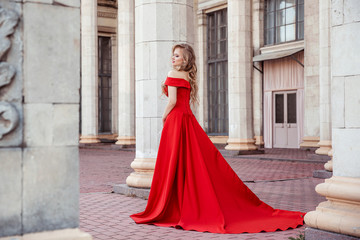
(179, 78)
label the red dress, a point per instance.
(194, 188)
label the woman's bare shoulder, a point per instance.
(178, 74)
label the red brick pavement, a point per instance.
(281, 184)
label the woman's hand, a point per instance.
(163, 120)
(164, 89)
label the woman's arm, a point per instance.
(172, 91)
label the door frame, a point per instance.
(273, 118)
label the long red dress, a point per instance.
(194, 188)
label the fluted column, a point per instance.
(126, 73)
(158, 25)
(341, 213)
(89, 72)
(324, 78)
(311, 73)
(241, 134)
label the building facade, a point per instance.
(259, 85)
(268, 70)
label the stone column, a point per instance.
(126, 73)
(258, 42)
(202, 69)
(241, 134)
(311, 71)
(39, 120)
(341, 213)
(158, 25)
(89, 72)
(325, 79)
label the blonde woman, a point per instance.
(193, 187)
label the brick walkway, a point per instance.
(282, 184)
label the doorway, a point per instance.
(285, 127)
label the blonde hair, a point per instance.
(189, 66)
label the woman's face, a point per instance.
(177, 58)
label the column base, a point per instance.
(310, 142)
(324, 147)
(237, 144)
(144, 171)
(341, 213)
(63, 234)
(89, 139)
(329, 165)
(125, 140)
(219, 139)
(259, 141)
(107, 137)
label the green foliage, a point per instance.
(300, 237)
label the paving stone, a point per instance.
(322, 174)
(317, 234)
(282, 184)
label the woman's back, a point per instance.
(182, 94)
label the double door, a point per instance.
(285, 127)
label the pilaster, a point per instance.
(89, 72)
(311, 74)
(324, 78)
(126, 73)
(257, 76)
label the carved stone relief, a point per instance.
(9, 116)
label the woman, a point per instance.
(193, 187)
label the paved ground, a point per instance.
(282, 184)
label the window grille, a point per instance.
(105, 84)
(284, 21)
(217, 80)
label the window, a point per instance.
(104, 89)
(217, 73)
(284, 21)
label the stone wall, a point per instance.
(39, 114)
(311, 72)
